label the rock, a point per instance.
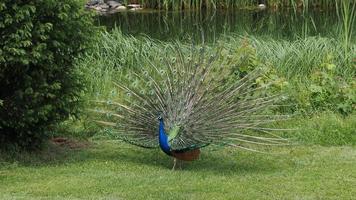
(94, 2)
(134, 6)
(110, 6)
(135, 9)
(113, 4)
(98, 8)
(104, 6)
(121, 8)
(91, 7)
(262, 6)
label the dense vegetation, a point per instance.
(39, 85)
(314, 72)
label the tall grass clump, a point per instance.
(297, 59)
(347, 14)
(112, 56)
(324, 128)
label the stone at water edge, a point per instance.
(121, 8)
(135, 9)
(98, 8)
(113, 4)
(94, 2)
(104, 6)
(262, 6)
(134, 6)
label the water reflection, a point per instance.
(211, 25)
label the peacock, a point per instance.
(187, 102)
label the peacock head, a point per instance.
(172, 132)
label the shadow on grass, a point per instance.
(50, 154)
(218, 162)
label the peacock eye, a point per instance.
(159, 117)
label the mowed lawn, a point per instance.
(107, 169)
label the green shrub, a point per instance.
(324, 90)
(39, 85)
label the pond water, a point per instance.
(214, 24)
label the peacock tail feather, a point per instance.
(200, 103)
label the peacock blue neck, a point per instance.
(163, 138)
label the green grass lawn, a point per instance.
(113, 170)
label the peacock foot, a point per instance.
(174, 164)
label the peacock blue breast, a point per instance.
(163, 139)
(187, 154)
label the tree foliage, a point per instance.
(39, 85)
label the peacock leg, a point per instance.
(175, 163)
(181, 162)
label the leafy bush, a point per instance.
(314, 72)
(39, 85)
(324, 90)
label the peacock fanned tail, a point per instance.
(200, 104)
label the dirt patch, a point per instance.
(70, 143)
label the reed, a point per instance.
(233, 4)
(187, 25)
(347, 14)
